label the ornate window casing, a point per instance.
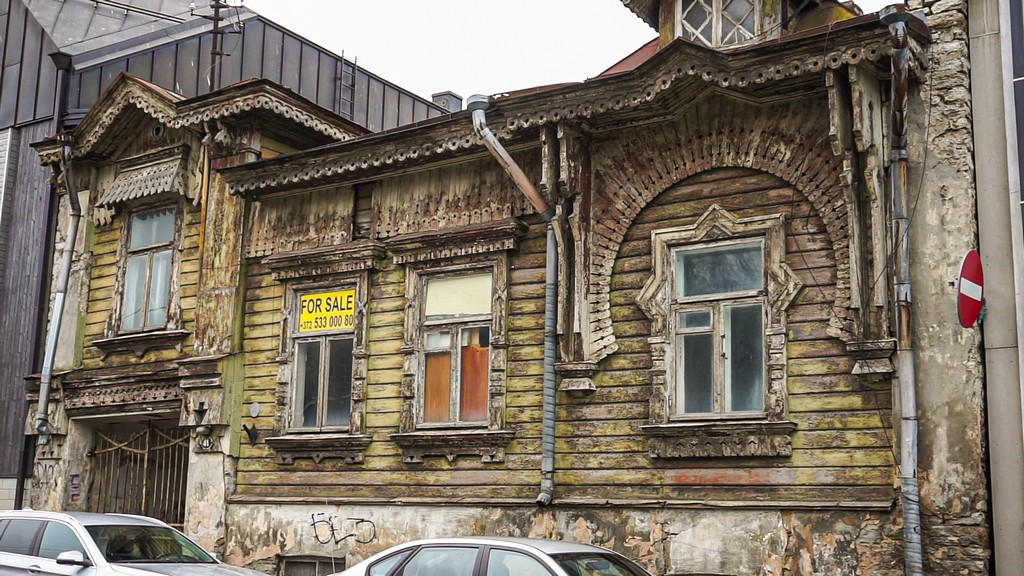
(456, 340)
(323, 361)
(718, 23)
(717, 301)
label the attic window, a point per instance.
(718, 23)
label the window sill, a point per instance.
(141, 342)
(317, 447)
(488, 444)
(721, 439)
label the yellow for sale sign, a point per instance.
(327, 311)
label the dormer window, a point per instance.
(719, 23)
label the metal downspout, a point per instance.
(478, 105)
(896, 19)
(60, 293)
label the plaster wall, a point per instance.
(665, 541)
(950, 368)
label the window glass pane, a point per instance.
(697, 21)
(384, 566)
(339, 383)
(695, 319)
(695, 373)
(159, 287)
(508, 563)
(469, 294)
(134, 292)
(441, 562)
(475, 358)
(19, 535)
(437, 386)
(719, 270)
(744, 363)
(150, 228)
(591, 564)
(307, 381)
(58, 538)
(439, 339)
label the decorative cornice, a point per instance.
(319, 447)
(349, 257)
(721, 439)
(263, 101)
(463, 241)
(121, 396)
(142, 342)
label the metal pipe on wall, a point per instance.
(896, 17)
(478, 105)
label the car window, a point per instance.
(147, 544)
(20, 536)
(441, 561)
(597, 564)
(58, 538)
(509, 563)
(384, 566)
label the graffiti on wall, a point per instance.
(74, 488)
(329, 529)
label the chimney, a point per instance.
(450, 101)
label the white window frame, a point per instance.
(684, 29)
(150, 251)
(714, 304)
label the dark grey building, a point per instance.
(160, 41)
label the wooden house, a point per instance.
(652, 311)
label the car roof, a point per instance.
(537, 544)
(85, 518)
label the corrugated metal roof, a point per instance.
(145, 180)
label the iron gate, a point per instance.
(141, 469)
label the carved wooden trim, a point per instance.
(725, 439)
(318, 447)
(142, 342)
(488, 444)
(350, 257)
(120, 397)
(452, 243)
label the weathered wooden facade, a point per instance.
(166, 43)
(354, 338)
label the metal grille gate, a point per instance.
(141, 469)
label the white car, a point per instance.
(484, 556)
(38, 543)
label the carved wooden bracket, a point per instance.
(318, 447)
(577, 378)
(488, 444)
(724, 439)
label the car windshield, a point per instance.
(146, 544)
(597, 564)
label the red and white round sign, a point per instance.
(971, 288)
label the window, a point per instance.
(441, 561)
(147, 279)
(59, 538)
(311, 566)
(509, 563)
(456, 348)
(384, 566)
(717, 300)
(324, 342)
(716, 23)
(718, 310)
(19, 537)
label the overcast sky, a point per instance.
(471, 46)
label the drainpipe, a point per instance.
(60, 292)
(896, 17)
(478, 105)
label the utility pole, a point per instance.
(217, 52)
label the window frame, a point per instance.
(172, 247)
(455, 327)
(743, 434)
(717, 15)
(324, 337)
(715, 304)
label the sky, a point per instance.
(472, 46)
